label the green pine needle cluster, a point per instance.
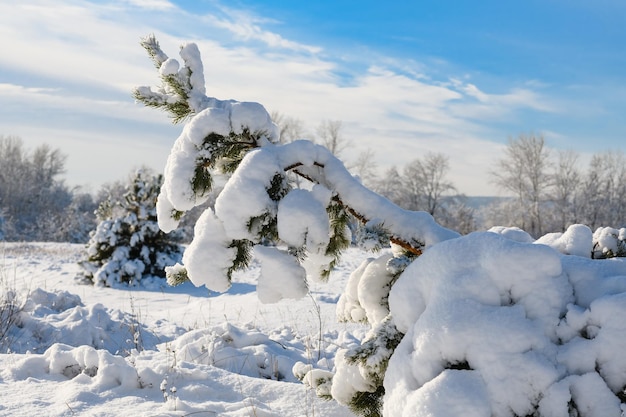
(243, 257)
(175, 86)
(373, 356)
(224, 153)
(340, 219)
(176, 275)
(265, 226)
(368, 404)
(373, 237)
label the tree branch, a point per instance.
(414, 249)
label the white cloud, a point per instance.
(83, 58)
(246, 27)
(152, 4)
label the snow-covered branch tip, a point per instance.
(182, 90)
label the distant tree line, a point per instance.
(546, 190)
(35, 204)
(551, 190)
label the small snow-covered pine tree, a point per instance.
(127, 245)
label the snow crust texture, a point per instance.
(495, 327)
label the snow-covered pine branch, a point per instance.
(258, 203)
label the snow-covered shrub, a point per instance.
(127, 245)
(43, 318)
(609, 242)
(308, 221)
(507, 329)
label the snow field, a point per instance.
(158, 350)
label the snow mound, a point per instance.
(609, 242)
(498, 327)
(577, 240)
(513, 233)
(244, 351)
(226, 371)
(84, 364)
(49, 317)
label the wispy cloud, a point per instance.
(162, 5)
(247, 27)
(83, 58)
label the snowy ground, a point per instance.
(160, 351)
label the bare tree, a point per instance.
(455, 214)
(525, 172)
(329, 135)
(566, 182)
(290, 128)
(33, 200)
(603, 191)
(425, 183)
(365, 166)
(435, 167)
(390, 186)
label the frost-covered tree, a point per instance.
(423, 185)
(525, 173)
(565, 190)
(603, 191)
(32, 197)
(127, 245)
(290, 128)
(488, 324)
(329, 135)
(80, 218)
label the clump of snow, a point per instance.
(319, 380)
(609, 242)
(242, 350)
(169, 67)
(245, 195)
(85, 364)
(506, 327)
(303, 221)
(364, 299)
(577, 240)
(281, 275)
(348, 307)
(513, 233)
(190, 53)
(49, 317)
(348, 380)
(208, 257)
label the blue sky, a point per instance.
(405, 78)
